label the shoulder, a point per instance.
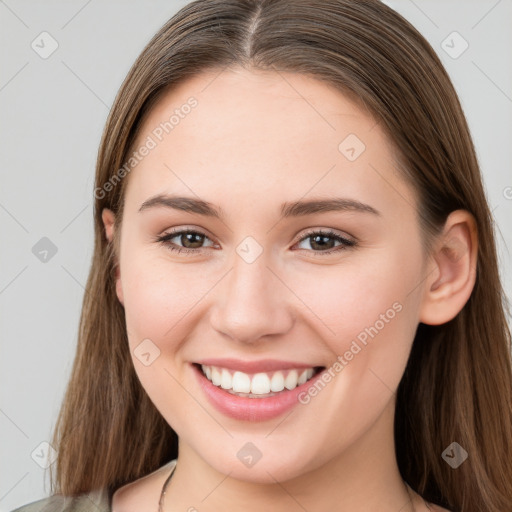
(136, 495)
(95, 501)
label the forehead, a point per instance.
(259, 133)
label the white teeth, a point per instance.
(226, 379)
(277, 382)
(291, 380)
(306, 375)
(259, 383)
(216, 376)
(241, 382)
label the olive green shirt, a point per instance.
(99, 501)
(94, 501)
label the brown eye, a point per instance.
(191, 240)
(186, 240)
(324, 242)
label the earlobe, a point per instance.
(451, 280)
(108, 218)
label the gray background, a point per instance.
(53, 111)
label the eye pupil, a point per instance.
(189, 237)
(320, 241)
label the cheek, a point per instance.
(164, 302)
(362, 297)
(159, 300)
(367, 316)
(158, 296)
(371, 316)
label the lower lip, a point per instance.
(251, 409)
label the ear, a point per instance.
(451, 279)
(108, 218)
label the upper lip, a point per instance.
(263, 365)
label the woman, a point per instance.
(294, 301)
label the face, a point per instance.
(269, 292)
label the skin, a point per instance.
(255, 140)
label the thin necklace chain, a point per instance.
(164, 490)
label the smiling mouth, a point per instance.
(257, 385)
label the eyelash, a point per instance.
(346, 243)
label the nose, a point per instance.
(252, 302)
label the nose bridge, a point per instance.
(251, 302)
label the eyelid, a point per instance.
(186, 229)
(326, 232)
(166, 236)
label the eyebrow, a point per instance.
(289, 209)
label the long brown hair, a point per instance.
(457, 385)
